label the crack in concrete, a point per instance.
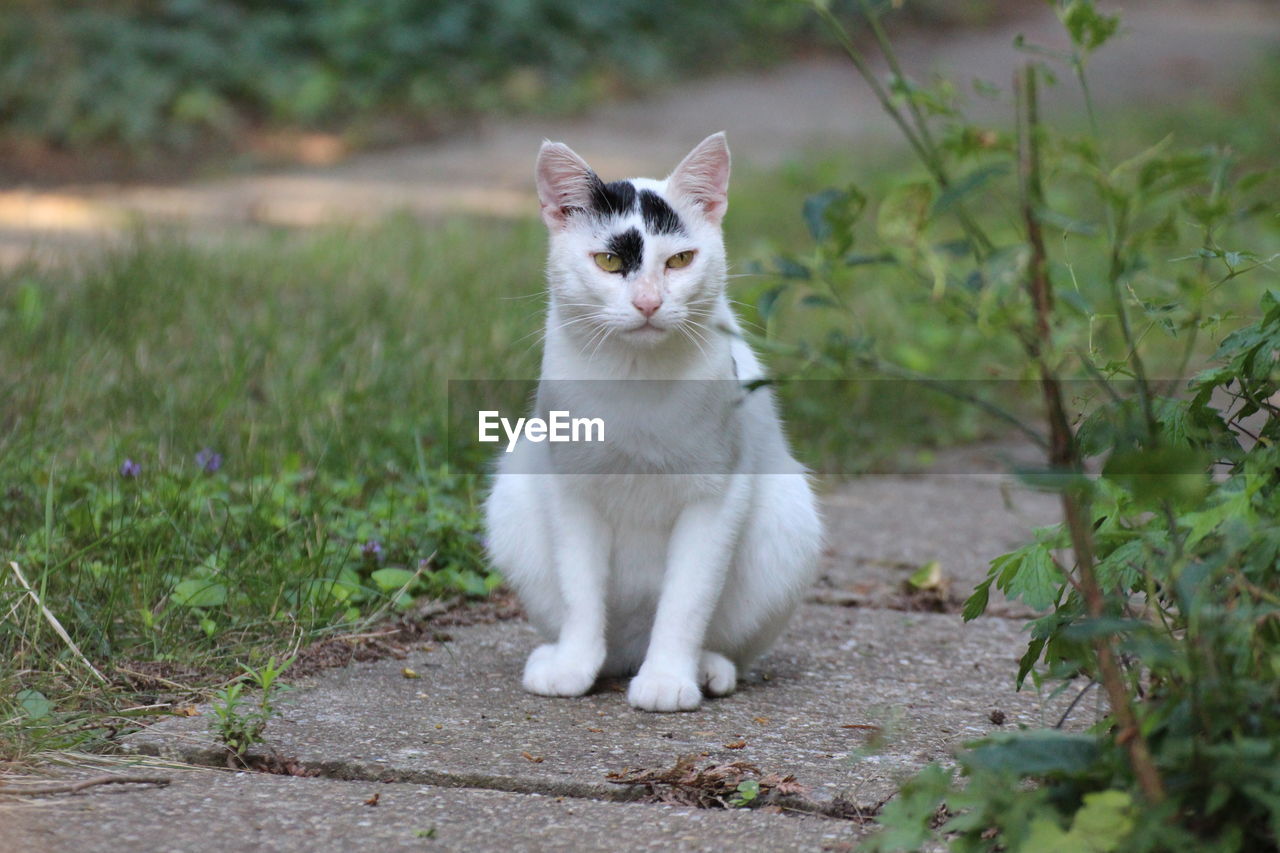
(358, 772)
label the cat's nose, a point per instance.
(647, 304)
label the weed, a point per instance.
(1162, 584)
(239, 723)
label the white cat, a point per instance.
(678, 551)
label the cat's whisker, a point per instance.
(602, 331)
(608, 330)
(705, 333)
(541, 330)
(685, 330)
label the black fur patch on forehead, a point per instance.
(629, 247)
(612, 199)
(659, 218)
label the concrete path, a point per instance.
(860, 691)
(1172, 50)
(867, 684)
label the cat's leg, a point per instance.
(773, 568)
(580, 545)
(517, 534)
(702, 544)
(717, 675)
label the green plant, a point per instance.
(212, 453)
(1092, 275)
(239, 723)
(745, 794)
(175, 74)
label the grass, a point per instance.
(314, 365)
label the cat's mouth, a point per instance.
(645, 329)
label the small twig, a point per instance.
(53, 620)
(1076, 701)
(185, 688)
(948, 388)
(76, 787)
(423, 565)
(919, 140)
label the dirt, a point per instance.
(415, 630)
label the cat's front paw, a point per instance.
(717, 674)
(663, 691)
(555, 671)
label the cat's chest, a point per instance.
(673, 427)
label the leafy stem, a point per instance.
(1064, 454)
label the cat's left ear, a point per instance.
(703, 177)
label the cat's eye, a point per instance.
(680, 260)
(608, 261)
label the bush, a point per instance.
(1163, 581)
(165, 72)
(168, 74)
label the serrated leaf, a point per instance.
(904, 212)
(815, 209)
(1105, 821)
(1089, 29)
(1175, 473)
(767, 302)
(1088, 629)
(1119, 568)
(831, 215)
(1045, 836)
(790, 268)
(976, 604)
(906, 821)
(1200, 524)
(1031, 574)
(1033, 754)
(963, 187)
(1029, 659)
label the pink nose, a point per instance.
(647, 305)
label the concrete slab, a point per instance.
(881, 529)
(850, 702)
(205, 810)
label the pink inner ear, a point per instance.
(703, 177)
(564, 181)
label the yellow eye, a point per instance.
(680, 261)
(608, 261)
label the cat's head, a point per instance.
(635, 261)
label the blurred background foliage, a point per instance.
(174, 74)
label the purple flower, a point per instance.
(208, 460)
(372, 550)
(130, 469)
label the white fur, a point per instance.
(683, 574)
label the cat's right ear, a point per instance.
(564, 183)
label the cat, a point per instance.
(678, 555)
